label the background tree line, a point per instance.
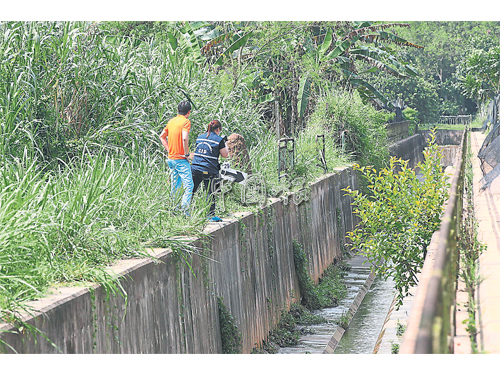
(440, 88)
(294, 64)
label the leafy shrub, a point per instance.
(411, 115)
(330, 289)
(286, 332)
(303, 316)
(398, 216)
(310, 297)
(344, 320)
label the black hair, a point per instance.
(213, 126)
(184, 107)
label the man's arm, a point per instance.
(164, 140)
(185, 142)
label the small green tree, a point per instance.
(398, 216)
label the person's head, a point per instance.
(214, 127)
(184, 107)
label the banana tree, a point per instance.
(350, 50)
(347, 52)
(290, 62)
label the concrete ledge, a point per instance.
(172, 308)
(339, 332)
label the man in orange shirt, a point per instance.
(175, 139)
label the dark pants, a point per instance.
(211, 182)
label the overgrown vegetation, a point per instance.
(470, 250)
(395, 348)
(400, 329)
(360, 130)
(329, 290)
(284, 335)
(229, 332)
(84, 179)
(398, 215)
(292, 323)
(344, 320)
(449, 66)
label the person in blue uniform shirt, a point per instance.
(205, 165)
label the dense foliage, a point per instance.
(398, 216)
(359, 129)
(67, 86)
(436, 90)
(230, 335)
(83, 176)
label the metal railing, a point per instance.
(456, 120)
(286, 156)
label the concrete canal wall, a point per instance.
(171, 309)
(411, 148)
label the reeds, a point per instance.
(83, 178)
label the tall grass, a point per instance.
(357, 127)
(307, 166)
(83, 178)
(69, 85)
(66, 227)
(84, 182)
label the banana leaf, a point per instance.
(194, 44)
(326, 43)
(303, 95)
(187, 43)
(373, 55)
(384, 35)
(338, 50)
(233, 47)
(356, 82)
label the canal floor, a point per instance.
(367, 302)
(366, 325)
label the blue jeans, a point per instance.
(180, 174)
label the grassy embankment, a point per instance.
(83, 178)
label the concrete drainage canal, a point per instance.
(367, 303)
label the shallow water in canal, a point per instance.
(368, 321)
(366, 324)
